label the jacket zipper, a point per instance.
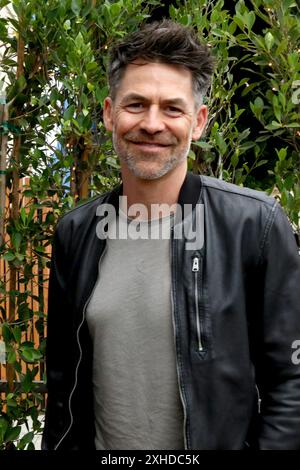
(79, 360)
(258, 399)
(195, 270)
(175, 334)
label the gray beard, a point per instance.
(130, 161)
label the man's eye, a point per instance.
(135, 106)
(172, 110)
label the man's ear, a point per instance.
(200, 122)
(108, 113)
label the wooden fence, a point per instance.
(37, 302)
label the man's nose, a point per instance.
(152, 120)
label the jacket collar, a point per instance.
(190, 192)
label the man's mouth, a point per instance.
(150, 145)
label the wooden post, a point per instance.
(4, 138)
(14, 210)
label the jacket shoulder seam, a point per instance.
(90, 201)
(243, 192)
(269, 223)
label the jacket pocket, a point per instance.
(201, 318)
(197, 270)
(196, 319)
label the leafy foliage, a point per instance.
(254, 102)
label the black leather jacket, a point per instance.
(242, 299)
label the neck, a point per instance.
(164, 190)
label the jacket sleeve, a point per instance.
(56, 347)
(277, 367)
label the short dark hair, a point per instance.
(166, 42)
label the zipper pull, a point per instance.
(195, 267)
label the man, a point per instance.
(180, 341)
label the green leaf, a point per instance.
(261, 162)
(273, 125)
(203, 145)
(40, 248)
(247, 145)
(115, 9)
(6, 333)
(20, 257)
(282, 153)
(27, 384)
(192, 155)
(282, 46)
(79, 41)
(292, 124)
(16, 240)
(244, 134)
(101, 93)
(112, 161)
(269, 40)
(67, 25)
(17, 333)
(247, 89)
(221, 143)
(23, 216)
(86, 10)
(12, 402)
(26, 439)
(76, 7)
(258, 102)
(234, 159)
(3, 428)
(249, 19)
(69, 113)
(257, 107)
(18, 367)
(90, 87)
(263, 138)
(293, 60)
(54, 96)
(282, 100)
(11, 357)
(232, 28)
(12, 434)
(9, 256)
(239, 21)
(30, 354)
(289, 182)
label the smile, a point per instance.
(152, 146)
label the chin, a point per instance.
(146, 174)
(154, 173)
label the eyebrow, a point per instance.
(171, 101)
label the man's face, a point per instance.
(153, 118)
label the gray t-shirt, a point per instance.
(136, 393)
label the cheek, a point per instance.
(125, 121)
(181, 127)
(182, 133)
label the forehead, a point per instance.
(155, 80)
